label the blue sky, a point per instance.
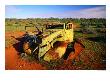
(59, 11)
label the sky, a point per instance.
(56, 11)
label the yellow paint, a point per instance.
(60, 51)
(66, 35)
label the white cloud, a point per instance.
(97, 12)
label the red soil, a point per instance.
(10, 58)
(74, 55)
(15, 34)
(14, 62)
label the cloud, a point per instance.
(96, 12)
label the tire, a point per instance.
(28, 49)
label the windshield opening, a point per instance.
(59, 26)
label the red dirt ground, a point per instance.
(12, 59)
(14, 62)
(74, 55)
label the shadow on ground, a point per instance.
(19, 46)
(97, 39)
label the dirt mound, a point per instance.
(14, 62)
(78, 48)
